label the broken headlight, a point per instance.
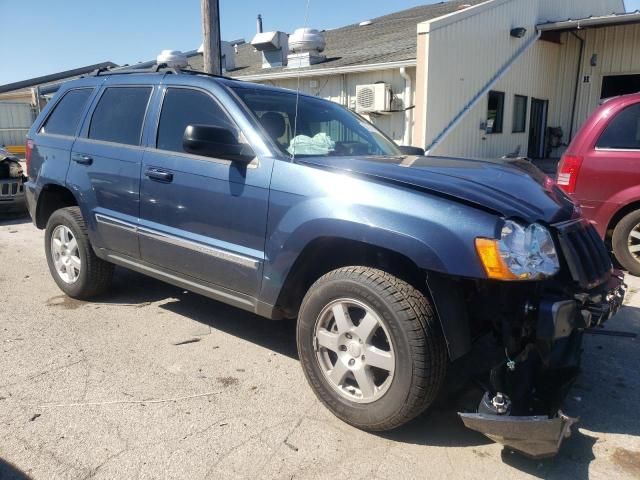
(521, 253)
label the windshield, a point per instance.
(324, 128)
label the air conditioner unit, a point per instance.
(373, 98)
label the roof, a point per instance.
(67, 74)
(592, 22)
(388, 39)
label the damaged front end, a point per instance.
(12, 181)
(537, 335)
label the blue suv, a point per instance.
(396, 266)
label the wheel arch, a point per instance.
(619, 215)
(325, 254)
(52, 197)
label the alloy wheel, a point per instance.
(66, 256)
(354, 350)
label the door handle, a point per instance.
(82, 159)
(160, 175)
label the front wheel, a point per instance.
(371, 347)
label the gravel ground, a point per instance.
(154, 382)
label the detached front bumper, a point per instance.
(522, 409)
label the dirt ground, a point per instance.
(153, 382)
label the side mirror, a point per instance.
(407, 150)
(216, 142)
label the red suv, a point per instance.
(601, 172)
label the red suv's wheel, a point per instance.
(626, 242)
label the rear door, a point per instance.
(612, 165)
(202, 217)
(55, 136)
(105, 163)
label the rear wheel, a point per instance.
(73, 264)
(370, 347)
(626, 242)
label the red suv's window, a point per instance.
(623, 132)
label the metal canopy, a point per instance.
(591, 22)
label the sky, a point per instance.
(66, 34)
(45, 36)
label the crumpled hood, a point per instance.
(511, 188)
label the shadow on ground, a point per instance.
(13, 218)
(605, 396)
(9, 471)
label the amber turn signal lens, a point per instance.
(489, 253)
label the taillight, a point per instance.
(568, 172)
(28, 150)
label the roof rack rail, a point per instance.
(128, 71)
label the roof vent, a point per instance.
(464, 6)
(227, 51)
(305, 47)
(365, 23)
(172, 58)
(274, 47)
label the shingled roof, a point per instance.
(390, 38)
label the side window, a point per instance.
(66, 114)
(182, 107)
(623, 132)
(495, 112)
(119, 115)
(520, 113)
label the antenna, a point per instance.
(295, 119)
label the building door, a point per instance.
(615, 85)
(538, 128)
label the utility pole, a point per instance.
(211, 33)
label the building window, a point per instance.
(520, 104)
(495, 112)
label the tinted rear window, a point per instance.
(66, 114)
(119, 115)
(623, 132)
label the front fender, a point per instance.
(436, 233)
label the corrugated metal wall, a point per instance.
(466, 50)
(342, 89)
(15, 120)
(618, 53)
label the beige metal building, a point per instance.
(462, 77)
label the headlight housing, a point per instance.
(521, 253)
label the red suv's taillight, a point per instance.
(28, 150)
(568, 172)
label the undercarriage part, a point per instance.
(535, 437)
(498, 404)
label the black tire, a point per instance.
(95, 274)
(418, 344)
(620, 242)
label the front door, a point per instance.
(538, 128)
(203, 218)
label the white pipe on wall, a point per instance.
(408, 113)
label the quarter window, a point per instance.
(623, 132)
(119, 115)
(183, 107)
(495, 112)
(66, 114)
(520, 113)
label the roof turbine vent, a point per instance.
(305, 47)
(172, 58)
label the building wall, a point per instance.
(342, 89)
(462, 53)
(15, 121)
(618, 51)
